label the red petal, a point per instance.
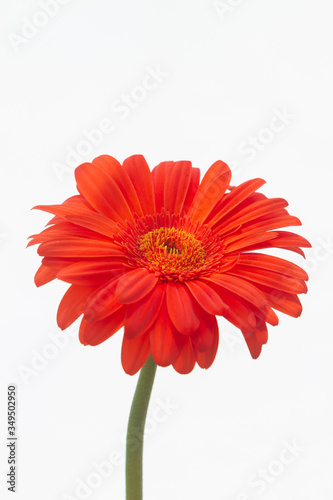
(208, 299)
(210, 191)
(272, 221)
(205, 358)
(203, 338)
(96, 332)
(192, 189)
(176, 186)
(96, 222)
(253, 344)
(72, 305)
(261, 332)
(249, 241)
(102, 302)
(102, 193)
(74, 205)
(180, 308)
(238, 286)
(86, 273)
(251, 212)
(270, 278)
(233, 199)
(134, 353)
(44, 275)
(141, 315)
(288, 239)
(116, 171)
(140, 175)
(282, 266)
(285, 302)
(57, 263)
(79, 247)
(164, 346)
(274, 244)
(240, 314)
(159, 177)
(135, 285)
(64, 230)
(269, 316)
(186, 359)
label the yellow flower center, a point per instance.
(172, 247)
(172, 250)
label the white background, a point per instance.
(225, 71)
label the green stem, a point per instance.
(135, 430)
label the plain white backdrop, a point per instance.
(249, 82)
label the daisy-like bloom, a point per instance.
(162, 254)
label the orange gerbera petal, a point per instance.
(270, 278)
(96, 332)
(135, 285)
(44, 275)
(261, 226)
(163, 338)
(186, 358)
(205, 358)
(208, 299)
(140, 175)
(234, 198)
(162, 254)
(252, 212)
(253, 344)
(102, 302)
(85, 273)
(141, 315)
(159, 179)
(238, 286)
(204, 338)
(240, 313)
(96, 222)
(249, 241)
(284, 302)
(180, 308)
(79, 247)
(72, 305)
(271, 263)
(176, 186)
(134, 353)
(102, 192)
(192, 189)
(64, 230)
(212, 187)
(117, 172)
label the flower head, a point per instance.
(162, 255)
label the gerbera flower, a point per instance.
(162, 255)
